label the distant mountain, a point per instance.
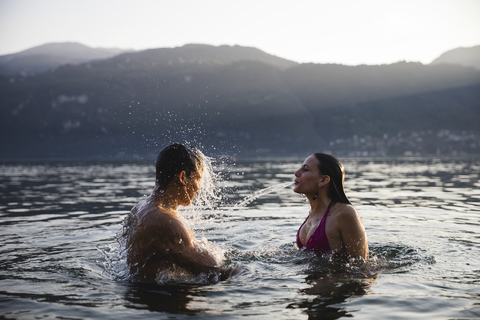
(332, 92)
(233, 100)
(196, 55)
(52, 55)
(468, 57)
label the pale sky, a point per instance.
(348, 32)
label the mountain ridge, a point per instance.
(52, 55)
(464, 56)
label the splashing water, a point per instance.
(208, 196)
(209, 193)
(262, 192)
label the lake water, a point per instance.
(60, 260)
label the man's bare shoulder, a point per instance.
(159, 219)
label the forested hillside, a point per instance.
(237, 101)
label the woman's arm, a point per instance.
(353, 233)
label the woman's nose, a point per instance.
(297, 173)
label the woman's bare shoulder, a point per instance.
(348, 213)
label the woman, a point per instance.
(333, 224)
(156, 237)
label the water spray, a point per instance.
(262, 192)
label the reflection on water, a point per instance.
(325, 297)
(173, 299)
(58, 254)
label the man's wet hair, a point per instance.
(174, 159)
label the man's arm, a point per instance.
(179, 247)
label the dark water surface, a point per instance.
(59, 258)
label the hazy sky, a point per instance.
(337, 31)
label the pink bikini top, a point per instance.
(318, 240)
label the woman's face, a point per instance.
(307, 177)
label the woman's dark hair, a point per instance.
(332, 167)
(174, 159)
